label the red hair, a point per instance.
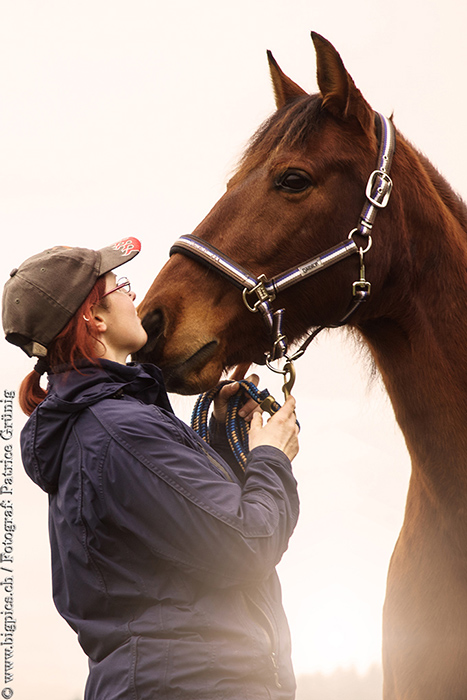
(77, 341)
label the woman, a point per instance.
(163, 557)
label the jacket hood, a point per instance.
(71, 391)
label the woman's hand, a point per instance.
(281, 430)
(227, 391)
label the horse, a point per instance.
(299, 189)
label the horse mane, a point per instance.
(449, 197)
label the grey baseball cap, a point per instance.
(45, 291)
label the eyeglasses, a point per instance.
(123, 283)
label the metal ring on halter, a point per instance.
(274, 369)
(369, 244)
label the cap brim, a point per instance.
(117, 254)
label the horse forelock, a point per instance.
(289, 127)
(292, 127)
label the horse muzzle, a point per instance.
(186, 369)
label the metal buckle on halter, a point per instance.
(381, 191)
(261, 292)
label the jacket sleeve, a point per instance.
(156, 483)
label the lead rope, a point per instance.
(236, 427)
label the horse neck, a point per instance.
(421, 345)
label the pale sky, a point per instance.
(125, 118)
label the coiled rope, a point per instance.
(236, 427)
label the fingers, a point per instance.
(289, 405)
(253, 379)
(228, 390)
(250, 407)
(279, 431)
(249, 410)
(256, 421)
(222, 399)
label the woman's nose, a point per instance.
(132, 295)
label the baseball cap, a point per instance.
(45, 291)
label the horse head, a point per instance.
(298, 190)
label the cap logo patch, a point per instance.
(127, 245)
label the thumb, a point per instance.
(256, 421)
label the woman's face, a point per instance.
(120, 327)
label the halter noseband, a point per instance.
(377, 193)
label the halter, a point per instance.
(259, 292)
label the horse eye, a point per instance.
(293, 181)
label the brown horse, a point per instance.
(298, 191)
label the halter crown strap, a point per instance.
(379, 185)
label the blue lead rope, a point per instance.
(236, 427)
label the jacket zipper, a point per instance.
(272, 637)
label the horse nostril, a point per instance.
(154, 325)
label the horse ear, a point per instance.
(285, 90)
(340, 95)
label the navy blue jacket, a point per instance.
(163, 560)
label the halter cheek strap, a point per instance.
(259, 292)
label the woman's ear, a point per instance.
(98, 316)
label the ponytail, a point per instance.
(31, 393)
